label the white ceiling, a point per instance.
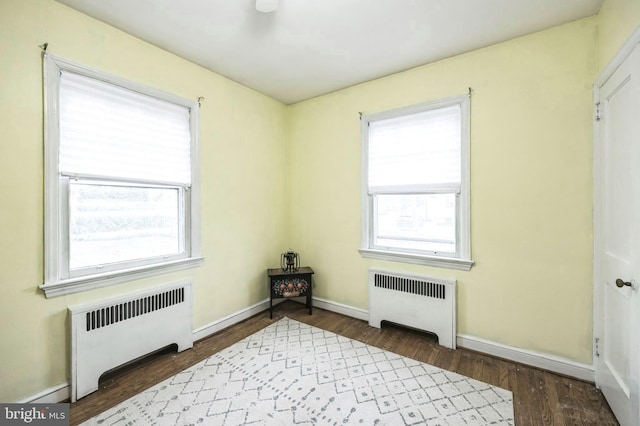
(308, 48)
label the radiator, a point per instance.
(417, 301)
(113, 332)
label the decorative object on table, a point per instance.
(285, 283)
(290, 261)
(293, 373)
(290, 287)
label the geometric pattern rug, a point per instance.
(291, 373)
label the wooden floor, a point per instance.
(539, 397)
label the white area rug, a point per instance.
(291, 373)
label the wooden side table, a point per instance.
(285, 284)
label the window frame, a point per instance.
(461, 260)
(58, 279)
(182, 202)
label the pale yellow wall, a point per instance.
(242, 168)
(275, 178)
(617, 20)
(531, 187)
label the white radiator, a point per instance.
(417, 301)
(112, 332)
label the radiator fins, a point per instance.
(127, 310)
(419, 287)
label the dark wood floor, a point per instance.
(539, 397)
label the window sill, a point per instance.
(75, 285)
(438, 262)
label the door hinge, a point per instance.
(597, 346)
(598, 111)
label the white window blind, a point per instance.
(108, 131)
(122, 197)
(415, 184)
(416, 153)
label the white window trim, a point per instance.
(463, 260)
(54, 284)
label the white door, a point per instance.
(617, 238)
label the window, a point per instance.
(415, 186)
(121, 171)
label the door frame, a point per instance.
(623, 53)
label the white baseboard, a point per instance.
(52, 395)
(548, 362)
(535, 359)
(62, 391)
(339, 308)
(229, 320)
